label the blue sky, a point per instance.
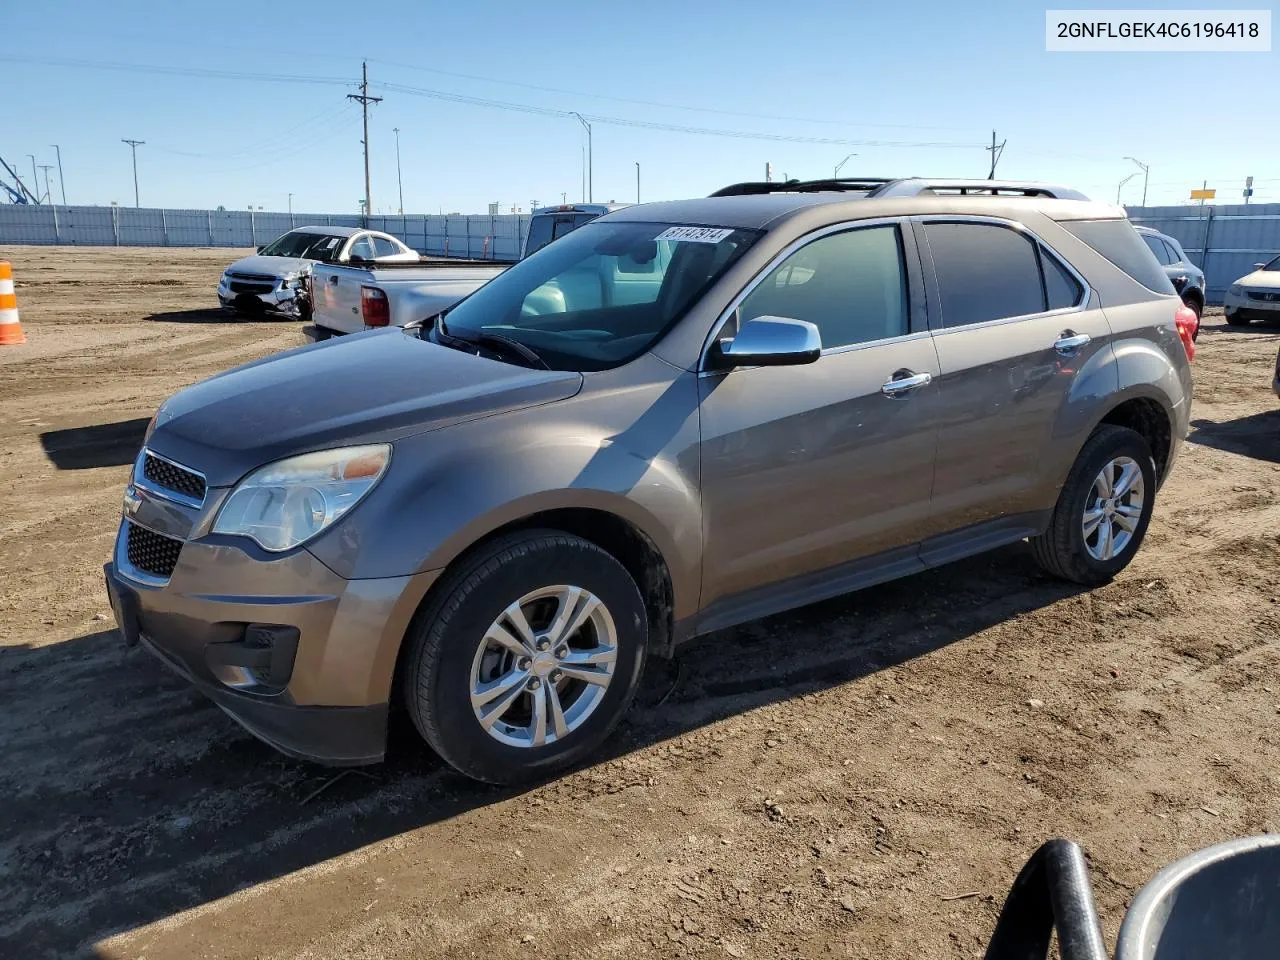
(918, 85)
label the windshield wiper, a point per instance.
(495, 341)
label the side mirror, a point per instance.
(261, 247)
(770, 342)
(1258, 266)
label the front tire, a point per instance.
(1235, 320)
(1103, 509)
(527, 657)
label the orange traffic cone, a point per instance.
(10, 328)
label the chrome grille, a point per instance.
(1268, 296)
(151, 552)
(170, 476)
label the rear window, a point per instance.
(1117, 241)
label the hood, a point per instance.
(278, 267)
(369, 387)
(1261, 279)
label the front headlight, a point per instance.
(288, 502)
(1235, 290)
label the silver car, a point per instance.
(677, 418)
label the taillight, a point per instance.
(374, 307)
(1188, 324)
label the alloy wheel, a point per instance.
(1113, 508)
(543, 666)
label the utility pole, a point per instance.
(48, 194)
(291, 204)
(364, 99)
(62, 184)
(133, 145)
(35, 177)
(399, 182)
(996, 152)
(563, 200)
(590, 172)
(637, 181)
(1146, 174)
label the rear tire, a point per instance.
(1070, 548)
(505, 704)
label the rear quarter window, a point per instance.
(1118, 242)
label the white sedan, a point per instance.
(275, 280)
(1256, 296)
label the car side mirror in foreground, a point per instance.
(261, 247)
(1258, 266)
(769, 342)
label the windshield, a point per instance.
(308, 246)
(601, 295)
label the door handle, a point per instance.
(1069, 342)
(904, 381)
(333, 279)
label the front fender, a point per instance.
(448, 489)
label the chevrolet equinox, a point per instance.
(680, 417)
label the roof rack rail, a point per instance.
(864, 184)
(919, 186)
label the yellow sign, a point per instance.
(1203, 194)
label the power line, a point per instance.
(657, 103)
(652, 124)
(487, 102)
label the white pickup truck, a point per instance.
(358, 295)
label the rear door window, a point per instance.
(382, 247)
(1157, 247)
(985, 272)
(1117, 241)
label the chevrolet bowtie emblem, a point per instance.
(131, 500)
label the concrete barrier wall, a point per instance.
(498, 237)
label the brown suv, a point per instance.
(677, 418)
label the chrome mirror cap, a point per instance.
(771, 342)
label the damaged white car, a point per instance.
(277, 278)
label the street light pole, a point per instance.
(637, 181)
(1146, 173)
(1121, 186)
(843, 162)
(399, 182)
(291, 204)
(133, 145)
(35, 177)
(590, 171)
(62, 184)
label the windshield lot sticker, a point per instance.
(694, 234)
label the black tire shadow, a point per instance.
(217, 315)
(99, 445)
(1256, 436)
(130, 798)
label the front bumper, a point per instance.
(1246, 308)
(288, 301)
(320, 688)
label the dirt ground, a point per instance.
(861, 778)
